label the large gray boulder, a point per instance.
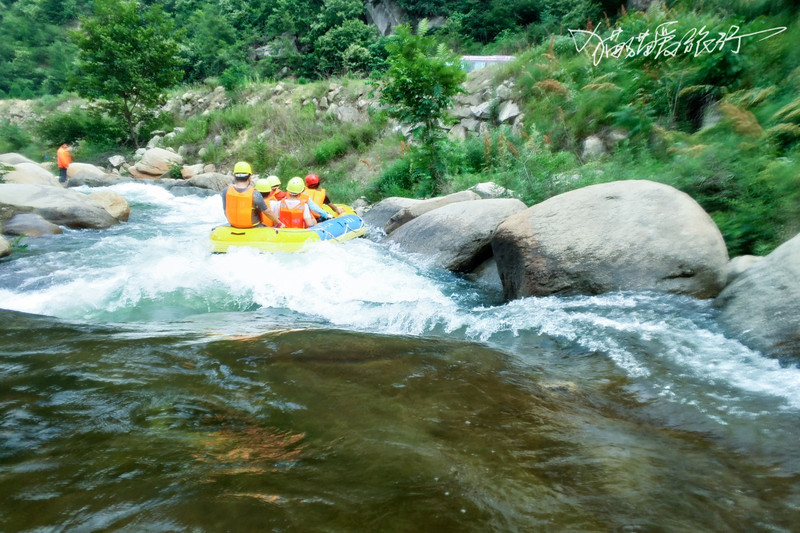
(30, 225)
(379, 214)
(85, 169)
(31, 173)
(13, 158)
(625, 235)
(60, 206)
(156, 162)
(762, 306)
(5, 247)
(419, 208)
(458, 236)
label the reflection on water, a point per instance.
(147, 429)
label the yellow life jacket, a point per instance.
(317, 195)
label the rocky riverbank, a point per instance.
(622, 236)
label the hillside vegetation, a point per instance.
(722, 126)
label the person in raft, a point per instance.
(270, 188)
(64, 159)
(243, 204)
(293, 210)
(319, 195)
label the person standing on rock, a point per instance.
(242, 203)
(64, 158)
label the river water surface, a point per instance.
(149, 385)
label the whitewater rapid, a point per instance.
(158, 268)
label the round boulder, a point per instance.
(156, 162)
(458, 235)
(379, 214)
(419, 208)
(116, 206)
(213, 181)
(625, 235)
(760, 307)
(31, 173)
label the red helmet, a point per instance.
(312, 180)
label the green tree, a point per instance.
(421, 82)
(128, 56)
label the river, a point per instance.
(149, 385)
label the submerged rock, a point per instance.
(761, 306)
(30, 225)
(626, 235)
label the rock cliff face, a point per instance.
(385, 15)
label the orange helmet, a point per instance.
(312, 180)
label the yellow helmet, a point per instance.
(241, 169)
(273, 181)
(295, 185)
(263, 186)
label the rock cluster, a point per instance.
(630, 235)
(33, 203)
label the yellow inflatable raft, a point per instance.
(339, 229)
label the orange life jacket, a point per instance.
(239, 207)
(318, 195)
(265, 219)
(293, 216)
(275, 194)
(64, 157)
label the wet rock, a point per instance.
(458, 235)
(5, 247)
(761, 306)
(625, 235)
(116, 206)
(31, 225)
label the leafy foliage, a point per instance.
(419, 88)
(128, 56)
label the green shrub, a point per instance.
(330, 149)
(13, 138)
